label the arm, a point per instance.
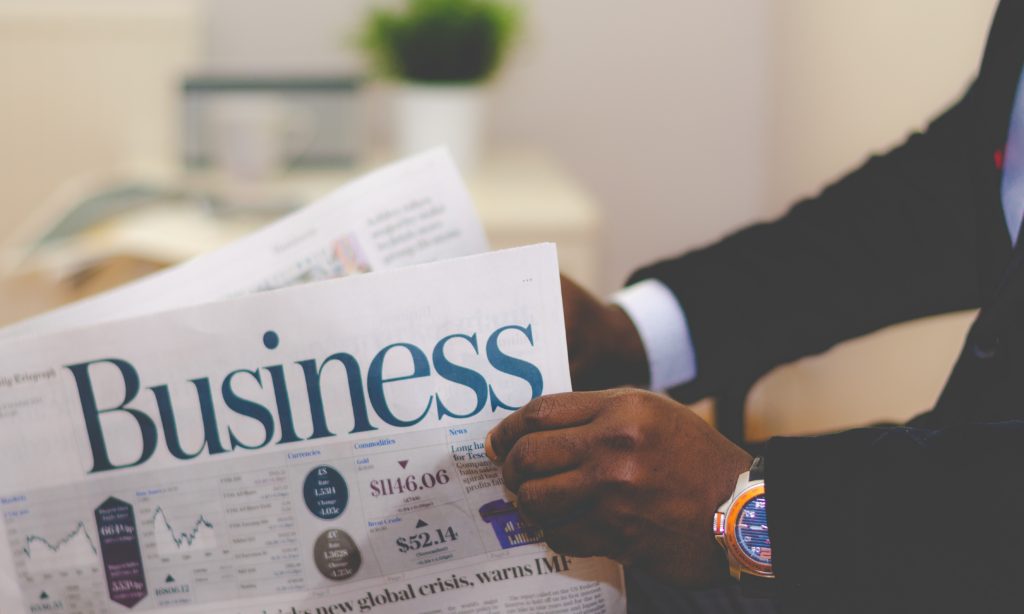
(892, 241)
(876, 520)
(895, 240)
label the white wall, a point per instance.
(659, 106)
(849, 78)
(294, 34)
(87, 87)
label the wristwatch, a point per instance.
(741, 528)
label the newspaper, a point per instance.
(312, 449)
(416, 210)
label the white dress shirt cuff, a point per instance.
(661, 322)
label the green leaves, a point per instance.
(453, 41)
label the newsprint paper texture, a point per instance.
(310, 449)
(413, 211)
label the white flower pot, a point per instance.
(430, 115)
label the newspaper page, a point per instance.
(316, 449)
(413, 211)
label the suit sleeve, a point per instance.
(899, 519)
(893, 241)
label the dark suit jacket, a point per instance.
(926, 517)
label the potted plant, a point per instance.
(441, 52)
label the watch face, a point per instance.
(752, 531)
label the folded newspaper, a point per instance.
(188, 444)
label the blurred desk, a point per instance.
(522, 198)
(28, 294)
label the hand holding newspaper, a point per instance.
(313, 449)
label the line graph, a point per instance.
(76, 548)
(169, 540)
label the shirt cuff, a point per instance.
(664, 332)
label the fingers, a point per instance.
(543, 454)
(582, 537)
(556, 499)
(565, 507)
(547, 413)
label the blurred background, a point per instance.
(134, 135)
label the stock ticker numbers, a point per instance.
(433, 534)
(257, 526)
(410, 483)
(426, 539)
(416, 506)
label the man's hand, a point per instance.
(625, 474)
(605, 350)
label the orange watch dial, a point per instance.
(746, 531)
